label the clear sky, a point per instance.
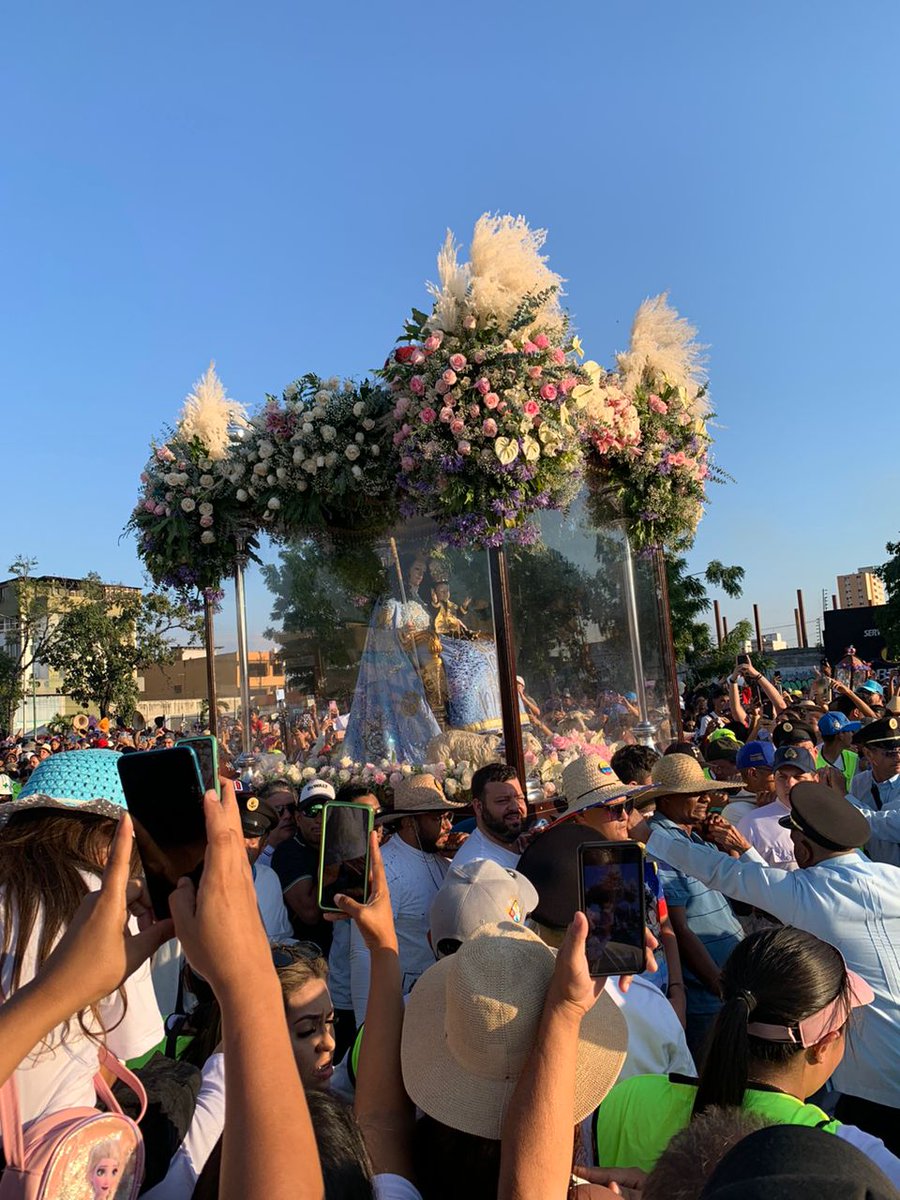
(267, 185)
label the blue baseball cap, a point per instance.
(795, 756)
(756, 754)
(871, 685)
(836, 722)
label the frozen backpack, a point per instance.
(76, 1153)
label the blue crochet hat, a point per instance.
(80, 781)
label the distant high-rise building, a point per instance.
(865, 589)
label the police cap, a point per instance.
(257, 817)
(826, 818)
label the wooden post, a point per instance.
(759, 641)
(724, 627)
(797, 627)
(802, 611)
(506, 661)
(718, 617)
(834, 603)
(668, 647)
(210, 641)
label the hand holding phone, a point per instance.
(344, 853)
(611, 895)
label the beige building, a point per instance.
(864, 589)
(178, 691)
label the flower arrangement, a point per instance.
(188, 519)
(383, 776)
(486, 403)
(650, 461)
(318, 458)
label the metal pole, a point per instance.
(643, 732)
(718, 617)
(802, 611)
(665, 620)
(506, 660)
(724, 627)
(759, 641)
(209, 609)
(797, 627)
(240, 604)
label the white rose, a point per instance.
(331, 458)
(307, 427)
(301, 485)
(266, 449)
(308, 773)
(207, 537)
(451, 787)
(322, 397)
(358, 408)
(356, 472)
(273, 502)
(328, 432)
(368, 424)
(310, 466)
(260, 468)
(206, 481)
(333, 383)
(352, 452)
(298, 455)
(281, 473)
(205, 464)
(172, 478)
(241, 495)
(360, 437)
(188, 505)
(291, 391)
(320, 461)
(375, 450)
(206, 509)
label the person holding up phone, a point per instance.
(296, 863)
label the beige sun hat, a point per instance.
(472, 1020)
(418, 794)
(681, 774)
(588, 781)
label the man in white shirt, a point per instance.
(876, 792)
(845, 899)
(414, 868)
(762, 829)
(500, 812)
(756, 762)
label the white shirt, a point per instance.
(741, 806)
(59, 1073)
(884, 844)
(339, 965)
(271, 904)
(848, 901)
(413, 879)
(205, 1130)
(479, 845)
(771, 840)
(656, 1041)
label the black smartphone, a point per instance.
(611, 895)
(207, 751)
(164, 792)
(344, 853)
(743, 659)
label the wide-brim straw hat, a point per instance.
(682, 775)
(416, 794)
(79, 781)
(588, 781)
(472, 1019)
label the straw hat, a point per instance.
(681, 774)
(588, 781)
(80, 781)
(418, 794)
(472, 1020)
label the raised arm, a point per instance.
(738, 712)
(768, 688)
(856, 698)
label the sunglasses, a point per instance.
(285, 953)
(618, 811)
(312, 811)
(291, 807)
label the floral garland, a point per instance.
(188, 519)
(317, 459)
(486, 413)
(655, 476)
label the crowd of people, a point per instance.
(445, 1037)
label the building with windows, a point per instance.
(863, 589)
(178, 691)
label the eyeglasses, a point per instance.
(618, 811)
(312, 811)
(285, 953)
(291, 807)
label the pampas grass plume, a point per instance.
(664, 346)
(208, 413)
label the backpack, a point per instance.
(77, 1153)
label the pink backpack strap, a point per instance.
(11, 1124)
(115, 1067)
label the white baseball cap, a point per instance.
(478, 893)
(316, 789)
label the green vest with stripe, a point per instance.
(640, 1116)
(849, 764)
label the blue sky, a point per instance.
(268, 185)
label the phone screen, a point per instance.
(207, 751)
(165, 799)
(611, 881)
(344, 853)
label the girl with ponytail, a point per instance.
(780, 1034)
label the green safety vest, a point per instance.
(640, 1116)
(849, 758)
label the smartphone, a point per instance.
(743, 659)
(207, 751)
(333, 708)
(164, 792)
(611, 895)
(344, 853)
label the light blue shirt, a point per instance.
(848, 901)
(884, 844)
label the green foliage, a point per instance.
(695, 643)
(890, 622)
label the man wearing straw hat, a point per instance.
(705, 926)
(414, 870)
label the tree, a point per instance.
(688, 599)
(890, 622)
(109, 635)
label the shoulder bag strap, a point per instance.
(11, 1117)
(108, 1060)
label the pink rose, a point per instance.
(658, 405)
(491, 400)
(478, 357)
(417, 357)
(160, 509)
(380, 778)
(433, 342)
(483, 386)
(531, 408)
(489, 428)
(457, 361)
(440, 387)
(676, 460)
(530, 348)
(684, 418)
(449, 377)
(427, 415)
(542, 341)
(535, 372)
(401, 408)
(407, 463)
(474, 411)
(567, 384)
(417, 385)
(464, 447)
(549, 392)
(206, 522)
(446, 414)
(559, 356)
(457, 426)
(502, 406)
